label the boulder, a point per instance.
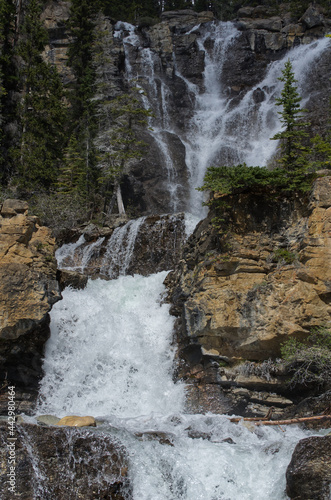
(47, 459)
(308, 476)
(313, 17)
(74, 421)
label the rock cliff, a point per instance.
(241, 291)
(28, 289)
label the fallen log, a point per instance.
(295, 420)
(298, 420)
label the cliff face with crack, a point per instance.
(240, 293)
(28, 289)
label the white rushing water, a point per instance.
(109, 355)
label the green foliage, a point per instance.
(81, 148)
(177, 4)
(7, 81)
(309, 362)
(320, 154)
(42, 110)
(72, 173)
(119, 145)
(131, 10)
(283, 255)
(294, 154)
(226, 180)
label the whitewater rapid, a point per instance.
(110, 355)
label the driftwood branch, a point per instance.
(264, 421)
(295, 420)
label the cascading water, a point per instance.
(222, 131)
(120, 249)
(109, 354)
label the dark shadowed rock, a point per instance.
(308, 475)
(66, 463)
(71, 278)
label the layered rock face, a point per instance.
(63, 463)
(239, 293)
(28, 289)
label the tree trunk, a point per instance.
(120, 204)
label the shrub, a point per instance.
(283, 255)
(310, 362)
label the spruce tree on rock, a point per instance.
(294, 152)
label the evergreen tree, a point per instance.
(118, 143)
(177, 4)
(42, 109)
(294, 153)
(80, 58)
(7, 80)
(321, 147)
(130, 10)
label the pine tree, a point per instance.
(321, 147)
(80, 58)
(294, 153)
(43, 113)
(7, 81)
(118, 144)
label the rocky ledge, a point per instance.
(241, 291)
(28, 289)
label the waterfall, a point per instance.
(120, 249)
(222, 130)
(110, 353)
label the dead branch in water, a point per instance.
(298, 420)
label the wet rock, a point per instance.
(47, 420)
(308, 475)
(161, 437)
(156, 247)
(71, 278)
(47, 459)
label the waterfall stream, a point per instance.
(222, 130)
(110, 353)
